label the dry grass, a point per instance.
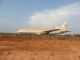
(37, 49)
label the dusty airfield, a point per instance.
(37, 49)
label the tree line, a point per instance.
(44, 36)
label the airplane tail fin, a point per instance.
(65, 25)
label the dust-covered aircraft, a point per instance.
(57, 30)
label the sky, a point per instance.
(18, 14)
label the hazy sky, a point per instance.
(17, 14)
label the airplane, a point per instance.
(62, 29)
(57, 30)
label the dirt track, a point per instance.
(39, 49)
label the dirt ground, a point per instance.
(39, 49)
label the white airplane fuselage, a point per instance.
(36, 31)
(57, 30)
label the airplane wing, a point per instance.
(48, 31)
(62, 32)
